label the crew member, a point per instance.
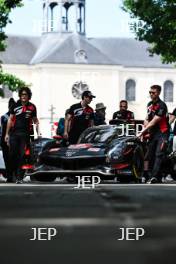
(123, 113)
(157, 123)
(79, 117)
(172, 118)
(5, 147)
(22, 116)
(100, 113)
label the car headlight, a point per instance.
(116, 152)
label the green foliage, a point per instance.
(157, 27)
(11, 81)
(6, 7)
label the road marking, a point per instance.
(126, 221)
(98, 187)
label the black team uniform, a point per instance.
(174, 129)
(123, 114)
(5, 148)
(81, 117)
(159, 137)
(20, 134)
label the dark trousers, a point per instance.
(5, 152)
(73, 138)
(156, 153)
(18, 143)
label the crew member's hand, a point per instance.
(140, 135)
(7, 139)
(65, 135)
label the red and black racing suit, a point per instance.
(123, 114)
(159, 137)
(20, 134)
(81, 118)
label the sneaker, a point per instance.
(27, 179)
(168, 179)
(2, 178)
(152, 180)
(19, 181)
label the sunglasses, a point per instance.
(152, 92)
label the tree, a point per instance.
(6, 7)
(12, 82)
(155, 22)
(9, 80)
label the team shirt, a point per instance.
(125, 114)
(81, 118)
(158, 108)
(23, 115)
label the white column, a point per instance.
(76, 17)
(84, 19)
(60, 17)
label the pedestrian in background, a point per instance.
(100, 114)
(123, 113)
(5, 147)
(60, 127)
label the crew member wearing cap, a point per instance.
(123, 113)
(100, 113)
(79, 117)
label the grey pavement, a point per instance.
(87, 223)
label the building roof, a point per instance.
(76, 49)
(20, 49)
(62, 48)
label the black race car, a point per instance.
(104, 151)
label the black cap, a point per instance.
(88, 94)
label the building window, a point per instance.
(168, 91)
(130, 90)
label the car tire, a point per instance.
(137, 165)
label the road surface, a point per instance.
(88, 223)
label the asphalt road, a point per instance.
(87, 223)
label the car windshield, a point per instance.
(100, 135)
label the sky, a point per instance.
(104, 18)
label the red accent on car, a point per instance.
(120, 165)
(27, 152)
(127, 151)
(27, 167)
(57, 137)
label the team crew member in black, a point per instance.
(79, 117)
(157, 124)
(123, 113)
(5, 147)
(22, 116)
(172, 119)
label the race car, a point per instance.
(104, 151)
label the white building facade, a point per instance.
(60, 65)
